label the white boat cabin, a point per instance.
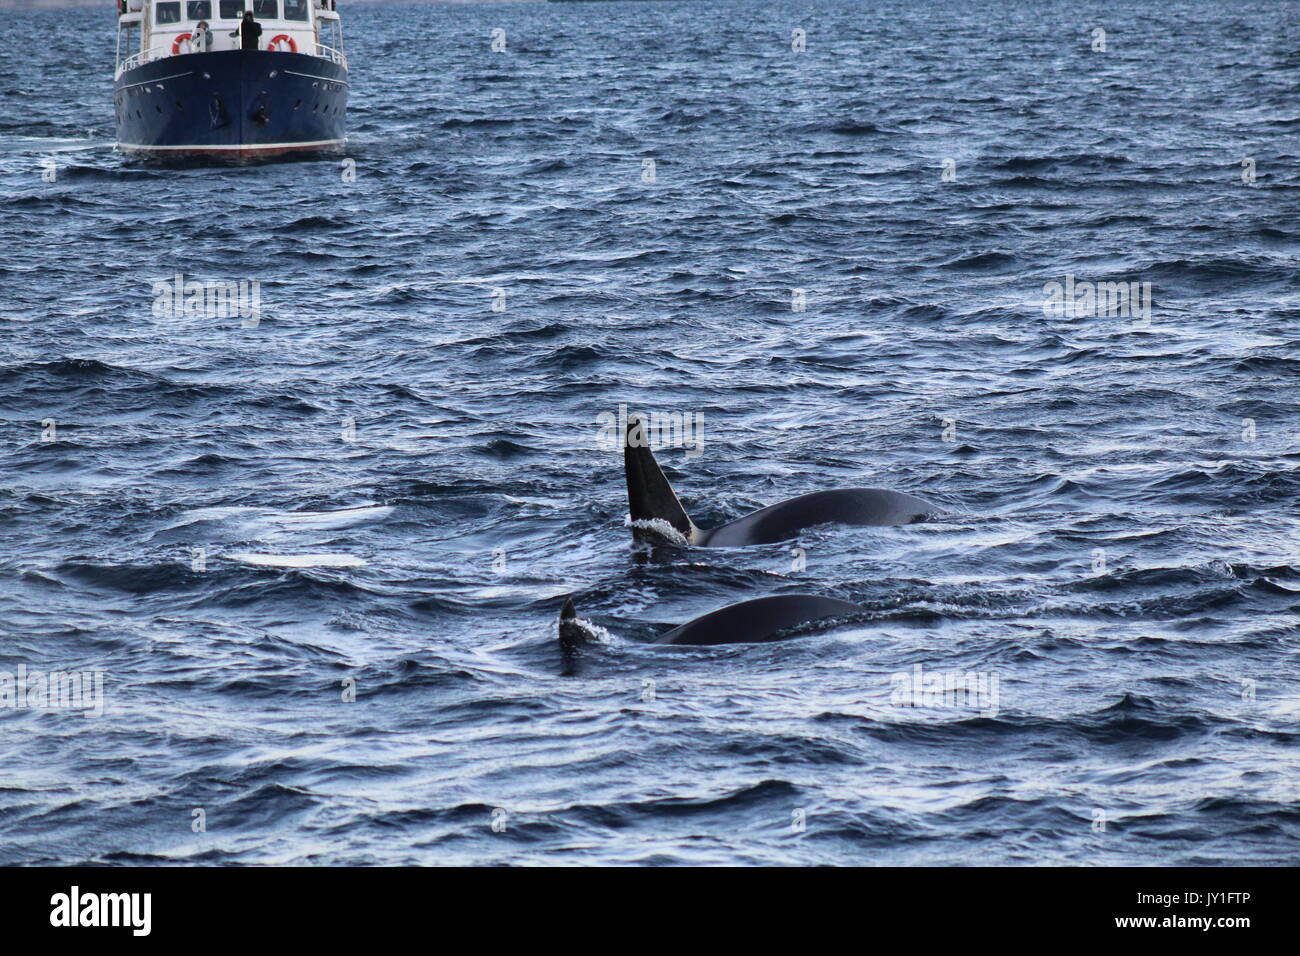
(152, 29)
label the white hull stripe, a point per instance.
(245, 149)
(313, 76)
(174, 76)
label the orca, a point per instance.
(758, 621)
(658, 517)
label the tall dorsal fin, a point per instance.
(649, 495)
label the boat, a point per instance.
(179, 94)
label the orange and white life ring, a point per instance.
(176, 44)
(275, 40)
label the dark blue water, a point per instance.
(1120, 543)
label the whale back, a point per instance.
(758, 621)
(784, 520)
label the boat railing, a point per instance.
(137, 59)
(331, 54)
(148, 56)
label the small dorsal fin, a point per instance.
(571, 632)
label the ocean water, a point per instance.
(618, 209)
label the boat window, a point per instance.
(265, 9)
(199, 9)
(168, 12)
(232, 9)
(295, 9)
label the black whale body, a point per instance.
(658, 516)
(758, 621)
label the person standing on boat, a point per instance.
(248, 32)
(201, 41)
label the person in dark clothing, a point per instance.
(248, 32)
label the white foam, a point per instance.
(659, 526)
(207, 514)
(330, 519)
(593, 632)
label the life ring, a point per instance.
(293, 46)
(176, 44)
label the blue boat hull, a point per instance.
(233, 104)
